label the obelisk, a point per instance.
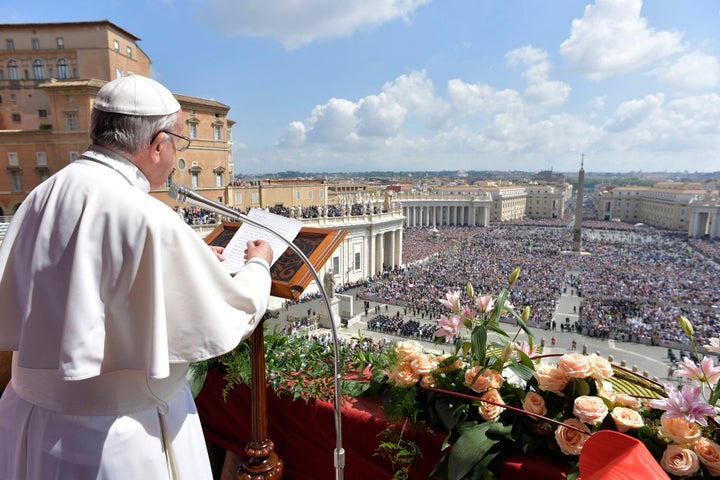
(577, 229)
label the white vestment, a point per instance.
(106, 297)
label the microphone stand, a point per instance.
(182, 194)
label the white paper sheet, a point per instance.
(234, 252)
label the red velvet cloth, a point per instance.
(304, 436)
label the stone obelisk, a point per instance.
(577, 229)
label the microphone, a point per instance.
(182, 194)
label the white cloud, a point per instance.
(296, 23)
(541, 90)
(632, 113)
(692, 72)
(612, 38)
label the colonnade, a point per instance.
(428, 213)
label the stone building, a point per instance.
(49, 76)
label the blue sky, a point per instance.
(345, 86)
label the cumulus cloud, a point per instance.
(541, 90)
(295, 23)
(612, 38)
(693, 72)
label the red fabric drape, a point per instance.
(304, 436)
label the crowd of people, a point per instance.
(402, 327)
(635, 282)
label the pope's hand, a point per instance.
(259, 248)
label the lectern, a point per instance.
(290, 276)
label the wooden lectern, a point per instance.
(290, 276)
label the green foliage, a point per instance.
(401, 452)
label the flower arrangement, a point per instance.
(498, 395)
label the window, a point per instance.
(193, 130)
(336, 265)
(310, 194)
(41, 113)
(116, 46)
(238, 198)
(118, 73)
(71, 121)
(129, 52)
(60, 42)
(254, 199)
(43, 174)
(357, 261)
(217, 131)
(13, 73)
(62, 67)
(322, 193)
(194, 177)
(16, 183)
(9, 45)
(218, 180)
(74, 156)
(41, 159)
(181, 163)
(38, 70)
(36, 44)
(297, 195)
(13, 159)
(16, 117)
(69, 98)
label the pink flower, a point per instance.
(485, 304)
(451, 301)
(714, 345)
(449, 326)
(706, 372)
(685, 403)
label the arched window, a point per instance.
(38, 70)
(62, 68)
(13, 73)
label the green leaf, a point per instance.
(470, 449)
(479, 344)
(196, 375)
(582, 387)
(522, 371)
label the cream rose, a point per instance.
(709, 454)
(453, 366)
(574, 365)
(590, 409)
(680, 461)
(534, 403)
(488, 411)
(679, 429)
(485, 381)
(600, 368)
(550, 378)
(403, 376)
(571, 441)
(626, 419)
(423, 364)
(624, 400)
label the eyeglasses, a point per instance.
(181, 144)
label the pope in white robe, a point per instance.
(106, 297)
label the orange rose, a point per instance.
(600, 369)
(626, 419)
(679, 429)
(534, 403)
(427, 381)
(680, 461)
(408, 351)
(485, 381)
(488, 411)
(590, 409)
(574, 365)
(571, 441)
(709, 454)
(550, 378)
(403, 376)
(453, 366)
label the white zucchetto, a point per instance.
(136, 95)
